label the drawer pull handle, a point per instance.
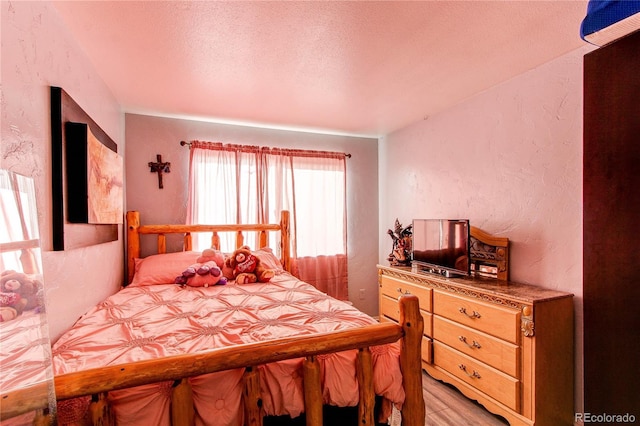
(474, 375)
(474, 315)
(403, 292)
(474, 344)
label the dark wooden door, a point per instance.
(612, 228)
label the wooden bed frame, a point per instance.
(97, 382)
(135, 230)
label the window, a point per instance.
(19, 226)
(249, 184)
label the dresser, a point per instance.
(506, 345)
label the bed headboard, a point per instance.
(135, 230)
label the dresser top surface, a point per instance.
(522, 292)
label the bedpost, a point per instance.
(133, 242)
(312, 391)
(182, 412)
(413, 410)
(42, 418)
(251, 398)
(285, 240)
(100, 410)
(367, 395)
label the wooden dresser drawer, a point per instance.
(492, 382)
(427, 350)
(497, 353)
(394, 287)
(390, 310)
(495, 320)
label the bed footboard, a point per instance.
(97, 382)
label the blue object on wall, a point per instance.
(603, 13)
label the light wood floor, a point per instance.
(445, 405)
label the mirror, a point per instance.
(26, 382)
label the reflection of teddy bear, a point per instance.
(27, 287)
(246, 267)
(207, 271)
(11, 305)
(7, 313)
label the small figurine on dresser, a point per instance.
(402, 245)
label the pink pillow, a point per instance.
(268, 259)
(162, 268)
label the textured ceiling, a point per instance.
(358, 67)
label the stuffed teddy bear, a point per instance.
(246, 267)
(11, 305)
(202, 274)
(7, 313)
(26, 286)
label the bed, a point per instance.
(25, 366)
(164, 354)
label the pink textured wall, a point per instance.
(147, 136)
(510, 160)
(38, 52)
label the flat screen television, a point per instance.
(441, 246)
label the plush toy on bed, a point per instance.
(202, 275)
(206, 272)
(18, 293)
(27, 286)
(246, 267)
(11, 305)
(7, 313)
(211, 254)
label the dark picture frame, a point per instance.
(69, 230)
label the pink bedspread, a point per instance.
(149, 322)
(24, 358)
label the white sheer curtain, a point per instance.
(223, 188)
(248, 184)
(320, 187)
(19, 223)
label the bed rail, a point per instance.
(97, 382)
(135, 230)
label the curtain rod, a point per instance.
(188, 144)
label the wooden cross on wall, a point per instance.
(159, 167)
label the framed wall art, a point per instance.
(87, 177)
